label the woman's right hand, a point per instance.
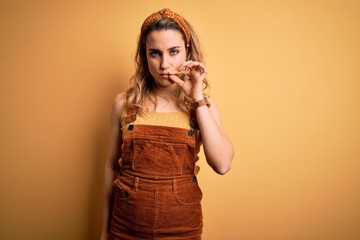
(192, 84)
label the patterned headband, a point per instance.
(163, 14)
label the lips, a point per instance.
(164, 75)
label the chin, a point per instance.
(164, 82)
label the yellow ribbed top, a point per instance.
(169, 119)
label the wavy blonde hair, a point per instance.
(142, 83)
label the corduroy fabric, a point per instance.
(157, 195)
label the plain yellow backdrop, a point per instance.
(285, 74)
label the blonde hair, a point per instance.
(142, 83)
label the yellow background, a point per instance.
(285, 74)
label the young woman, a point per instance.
(158, 125)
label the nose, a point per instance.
(165, 62)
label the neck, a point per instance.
(166, 92)
(163, 100)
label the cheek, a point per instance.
(151, 64)
(153, 67)
(179, 60)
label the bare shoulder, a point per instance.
(119, 104)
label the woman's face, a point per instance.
(165, 50)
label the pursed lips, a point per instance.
(164, 74)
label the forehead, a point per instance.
(164, 39)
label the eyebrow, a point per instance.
(154, 49)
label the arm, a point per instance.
(114, 154)
(218, 149)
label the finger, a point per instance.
(176, 80)
(203, 68)
(184, 70)
(197, 66)
(185, 64)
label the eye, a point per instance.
(174, 52)
(154, 53)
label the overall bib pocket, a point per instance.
(160, 159)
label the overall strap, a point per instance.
(193, 120)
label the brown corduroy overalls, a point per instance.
(156, 193)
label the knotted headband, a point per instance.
(167, 14)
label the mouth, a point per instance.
(164, 75)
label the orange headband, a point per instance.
(163, 14)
